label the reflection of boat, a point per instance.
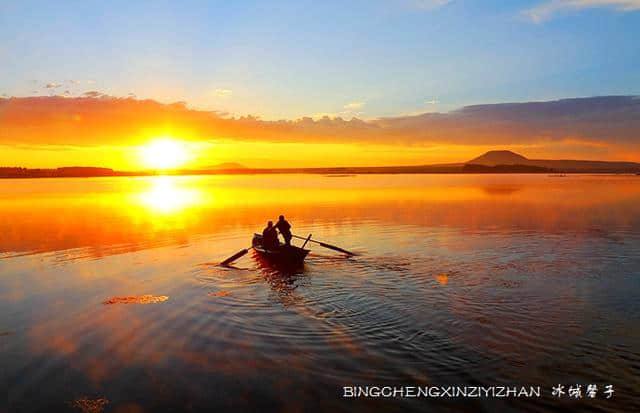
(285, 255)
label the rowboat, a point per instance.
(284, 255)
(288, 255)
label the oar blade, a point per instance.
(235, 257)
(333, 247)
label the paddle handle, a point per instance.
(333, 247)
(323, 244)
(306, 240)
(299, 237)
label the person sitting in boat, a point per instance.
(285, 229)
(270, 237)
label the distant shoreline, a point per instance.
(322, 172)
(492, 162)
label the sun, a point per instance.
(164, 153)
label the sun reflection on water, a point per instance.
(167, 196)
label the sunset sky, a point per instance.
(301, 83)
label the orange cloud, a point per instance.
(602, 126)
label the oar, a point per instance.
(235, 256)
(332, 247)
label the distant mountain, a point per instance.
(493, 158)
(498, 158)
(227, 165)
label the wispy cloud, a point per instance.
(353, 105)
(222, 93)
(93, 94)
(434, 101)
(547, 9)
(429, 4)
(351, 109)
(52, 85)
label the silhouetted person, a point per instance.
(285, 229)
(270, 237)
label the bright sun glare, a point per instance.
(164, 153)
(169, 194)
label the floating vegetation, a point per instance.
(137, 299)
(87, 405)
(219, 293)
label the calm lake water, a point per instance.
(468, 280)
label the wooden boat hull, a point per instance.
(288, 255)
